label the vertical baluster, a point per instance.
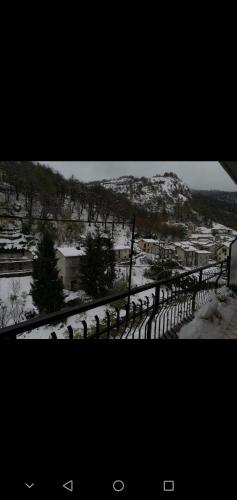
(70, 330)
(161, 318)
(164, 316)
(127, 307)
(176, 317)
(159, 324)
(180, 307)
(84, 329)
(147, 303)
(117, 318)
(156, 305)
(133, 310)
(108, 323)
(134, 316)
(97, 334)
(140, 300)
(167, 319)
(171, 317)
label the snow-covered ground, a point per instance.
(6, 288)
(212, 319)
(122, 237)
(75, 321)
(193, 330)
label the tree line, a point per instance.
(59, 198)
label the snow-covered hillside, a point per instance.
(151, 193)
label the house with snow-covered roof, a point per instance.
(219, 229)
(202, 258)
(223, 252)
(206, 244)
(68, 265)
(185, 253)
(191, 256)
(149, 245)
(167, 251)
(121, 252)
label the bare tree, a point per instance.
(4, 314)
(17, 302)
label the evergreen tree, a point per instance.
(47, 286)
(109, 262)
(97, 266)
(88, 267)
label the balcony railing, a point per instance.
(166, 307)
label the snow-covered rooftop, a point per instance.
(204, 229)
(149, 240)
(225, 245)
(121, 247)
(186, 246)
(203, 236)
(215, 225)
(71, 251)
(202, 251)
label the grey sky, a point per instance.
(198, 175)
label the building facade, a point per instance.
(202, 258)
(191, 256)
(222, 253)
(167, 251)
(121, 253)
(69, 266)
(186, 254)
(149, 245)
(15, 261)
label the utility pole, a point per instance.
(130, 266)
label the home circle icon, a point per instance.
(118, 486)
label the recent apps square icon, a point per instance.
(168, 485)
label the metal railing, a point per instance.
(160, 314)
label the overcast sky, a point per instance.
(198, 175)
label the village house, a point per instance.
(203, 244)
(222, 252)
(202, 236)
(69, 266)
(191, 256)
(185, 253)
(14, 262)
(202, 258)
(121, 253)
(149, 245)
(219, 229)
(167, 251)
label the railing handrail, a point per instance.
(66, 312)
